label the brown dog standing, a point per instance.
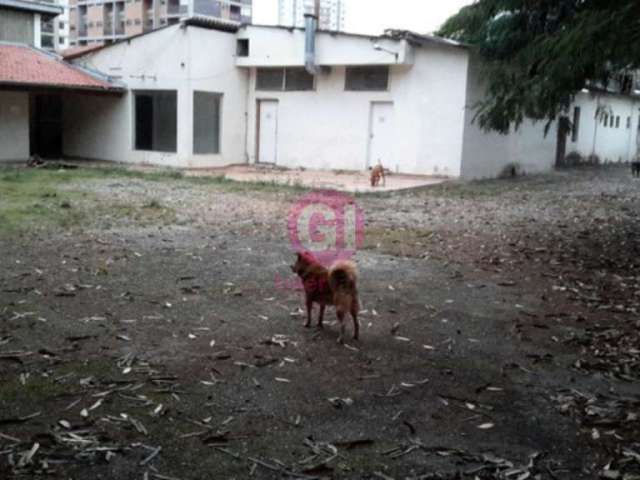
(333, 286)
(378, 174)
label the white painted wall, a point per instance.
(486, 155)
(37, 30)
(329, 128)
(97, 127)
(14, 126)
(437, 86)
(274, 46)
(432, 90)
(174, 58)
(611, 144)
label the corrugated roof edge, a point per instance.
(213, 23)
(394, 34)
(421, 39)
(330, 32)
(33, 6)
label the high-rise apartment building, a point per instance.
(95, 22)
(54, 32)
(332, 13)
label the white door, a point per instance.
(268, 131)
(381, 139)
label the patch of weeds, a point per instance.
(150, 213)
(30, 198)
(229, 185)
(488, 189)
(35, 389)
(402, 242)
(33, 198)
(153, 204)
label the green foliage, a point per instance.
(536, 54)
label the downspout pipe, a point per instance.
(310, 28)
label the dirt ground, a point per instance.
(147, 331)
(344, 181)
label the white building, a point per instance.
(54, 32)
(35, 82)
(402, 99)
(62, 27)
(605, 125)
(332, 14)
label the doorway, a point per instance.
(381, 135)
(564, 128)
(46, 126)
(267, 131)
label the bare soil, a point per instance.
(160, 338)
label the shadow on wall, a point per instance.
(511, 170)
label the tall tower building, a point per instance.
(54, 32)
(94, 22)
(332, 13)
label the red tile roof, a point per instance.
(25, 66)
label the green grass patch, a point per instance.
(37, 198)
(45, 198)
(31, 198)
(228, 185)
(403, 242)
(488, 189)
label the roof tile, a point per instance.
(22, 65)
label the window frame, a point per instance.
(220, 98)
(134, 106)
(287, 70)
(243, 47)
(272, 69)
(575, 126)
(351, 69)
(284, 87)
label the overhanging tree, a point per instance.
(537, 54)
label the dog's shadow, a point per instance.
(369, 344)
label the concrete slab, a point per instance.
(345, 181)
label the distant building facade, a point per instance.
(332, 13)
(95, 22)
(21, 21)
(54, 32)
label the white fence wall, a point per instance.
(14, 126)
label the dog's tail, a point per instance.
(343, 276)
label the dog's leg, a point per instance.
(340, 315)
(321, 315)
(309, 310)
(356, 323)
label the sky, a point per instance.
(373, 16)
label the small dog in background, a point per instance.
(635, 168)
(378, 173)
(335, 285)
